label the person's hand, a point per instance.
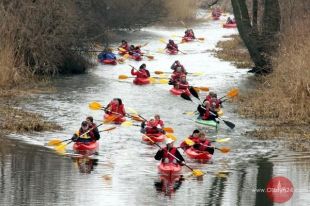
(182, 163)
(74, 138)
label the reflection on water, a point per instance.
(125, 172)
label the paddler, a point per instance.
(171, 46)
(142, 73)
(194, 137)
(84, 134)
(91, 124)
(189, 33)
(124, 45)
(182, 83)
(116, 107)
(205, 112)
(176, 65)
(165, 154)
(176, 76)
(107, 54)
(203, 144)
(150, 127)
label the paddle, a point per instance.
(193, 73)
(128, 124)
(124, 50)
(232, 93)
(189, 142)
(195, 172)
(228, 123)
(153, 80)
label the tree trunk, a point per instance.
(260, 45)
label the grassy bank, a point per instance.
(280, 103)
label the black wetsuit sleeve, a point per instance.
(159, 154)
(179, 156)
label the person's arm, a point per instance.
(179, 156)
(159, 155)
(133, 72)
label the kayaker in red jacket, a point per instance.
(182, 83)
(165, 157)
(80, 135)
(142, 73)
(134, 50)
(204, 111)
(177, 65)
(91, 124)
(176, 76)
(172, 46)
(151, 127)
(194, 137)
(190, 34)
(116, 107)
(124, 45)
(203, 144)
(158, 121)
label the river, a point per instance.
(124, 172)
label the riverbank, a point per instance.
(280, 102)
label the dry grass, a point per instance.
(284, 96)
(184, 10)
(233, 50)
(17, 120)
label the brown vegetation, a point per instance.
(234, 50)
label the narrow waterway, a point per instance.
(125, 172)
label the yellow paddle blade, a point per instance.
(198, 73)
(61, 148)
(135, 117)
(122, 76)
(168, 129)
(189, 142)
(234, 92)
(163, 81)
(122, 49)
(204, 88)
(198, 173)
(161, 50)
(152, 80)
(158, 72)
(225, 149)
(95, 105)
(222, 140)
(109, 129)
(162, 40)
(126, 56)
(110, 119)
(53, 142)
(126, 124)
(150, 57)
(201, 38)
(171, 136)
(196, 89)
(189, 113)
(131, 110)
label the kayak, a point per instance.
(220, 112)
(172, 52)
(169, 169)
(141, 81)
(228, 26)
(109, 61)
(198, 155)
(88, 148)
(155, 137)
(118, 120)
(178, 92)
(210, 123)
(215, 17)
(187, 39)
(120, 52)
(136, 57)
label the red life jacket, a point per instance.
(172, 46)
(183, 85)
(149, 128)
(125, 46)
(114, 108)
(203, 145)
(214, 103)
(142, 73)
(159, 122)
(168, 156)
(176, 75)
(208, 98)
(206, 115)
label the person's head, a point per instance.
(183, 78)
(202, 136)
(211, 94)
(171, 41)
(169, 143)
(157, 117)
(143, 66)
(177, 62)
(90, 119)
(132, 47)
(118, 101)
(124, 42)
(84, 125)
(214, 97)
(196, 133)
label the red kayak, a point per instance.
(228, 26)
(86, 148)
(198, 155)
(172, 52)
(187, 39)
(178, 92)
(169, 169)
(136, 57)
(109, 61)
(155, 137)
(118, 120)
(141, 81)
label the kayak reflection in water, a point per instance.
(168, 186)
(85, 164)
